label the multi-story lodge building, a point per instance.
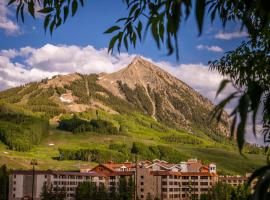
(157, 179)
(233, 180)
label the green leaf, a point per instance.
(112, 29)
(126, 42)
(22, 13)
(18, 11)
(243, 112)
(133, 8)
(120, 36)
(66, 11)
(46, 10)
(139, 29)
(233, 127)
(161, 31)
(46, 22)
(154, 30)
(200, 8)
(218, 109)
(52, 26)
(112, 42)
(74, 7)
(222, 86)
(31, 8)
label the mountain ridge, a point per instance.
(141, 86)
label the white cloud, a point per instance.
(49, 60)
(210, 48)
(230, 36)
(6, 23)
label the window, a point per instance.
(14, 189)
(142, 189)
(141, 196)
(185, 183)
(14, 182)
(164, 183)
(204, 189)
(142, 183)
(142, 177)
(204, 177)
(14, 175)
(194, 177)
(204, 183)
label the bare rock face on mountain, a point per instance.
(139, 87)
(172, 100)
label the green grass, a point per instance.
(139, 128)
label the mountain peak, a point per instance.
(139, 62)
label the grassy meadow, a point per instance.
(135, 128)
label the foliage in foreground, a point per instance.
(89, 190)
(4, 183)
(223, 191)
(48, 192)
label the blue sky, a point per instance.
(87, 28)
(28, 54)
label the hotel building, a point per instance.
(157, 178)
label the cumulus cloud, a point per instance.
(231, 35)
(6, 23)
(210, 48)
(49, 60)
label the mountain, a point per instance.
(141, 87)
(77, 119)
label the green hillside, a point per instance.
(73, 121)
(137, 135)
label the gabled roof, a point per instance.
(166, 166)
(103, 166)
(113, 166)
